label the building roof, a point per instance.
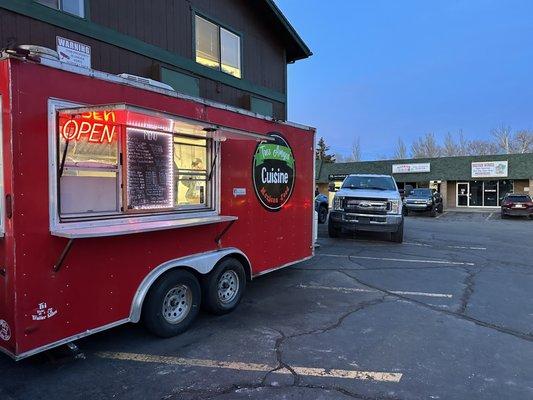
(442, 168)
(296, 47)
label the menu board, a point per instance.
(149, 169)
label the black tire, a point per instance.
(175, 288)
(433, 212)
(228, 275)
(397, 236)
(440, 208)
(333, 230)
(322, 214)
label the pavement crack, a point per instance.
(520, 335)
(469, 283)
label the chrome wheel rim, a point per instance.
(228, 287)
(177, 304)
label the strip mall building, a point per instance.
(473, 181)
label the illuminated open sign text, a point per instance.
(94, 127)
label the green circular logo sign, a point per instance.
(273, 172)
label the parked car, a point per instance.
(367, 203)
(515, 204)
(322, 207)
(424, 200)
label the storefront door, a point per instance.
(490, 194)
(476, 194)
(462, 194)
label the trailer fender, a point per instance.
(202, 263)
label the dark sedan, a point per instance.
(519, 205)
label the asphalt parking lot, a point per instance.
(448, 314)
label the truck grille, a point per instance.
(366, 206)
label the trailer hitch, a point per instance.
(62, 256)
(218, 238)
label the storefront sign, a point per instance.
(273, 172)
(72, 52)
(410, 168)
(490, 169)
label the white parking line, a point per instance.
(362, 290)
(489, 217)
(240, 366)
(396, 259)
(441, 215)
(450, 247)
(417, 244)
(467, 247)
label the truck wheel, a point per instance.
(224, 287)
(333, 231)
(172, 304)
(322, 214)
(397, 236)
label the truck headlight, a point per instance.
(428, 202)
(337, 203)
(394, 207)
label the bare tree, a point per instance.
(356, 150)
(502, 137)
(482, 148)
(450, 147)
(462, 145)
(522, 142)
(425, 147)
(400, 153)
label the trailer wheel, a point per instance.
(172, 304)
(224, 287)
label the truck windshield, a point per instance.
(369, 182)
(421, 192)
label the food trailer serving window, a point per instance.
(118, 169)
(119, 160)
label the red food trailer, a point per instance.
(122, 202)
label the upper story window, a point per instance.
(217, 47)
(74, 7)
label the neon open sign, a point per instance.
(93, 127)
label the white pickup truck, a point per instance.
(367, 203)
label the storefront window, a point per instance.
(505, 186)
(217, 47)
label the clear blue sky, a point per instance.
(382, 69)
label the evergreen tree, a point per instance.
(322, 150)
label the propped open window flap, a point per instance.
(136, 117)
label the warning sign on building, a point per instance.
(72, 52)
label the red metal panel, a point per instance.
(7, 263)
(96, 285)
